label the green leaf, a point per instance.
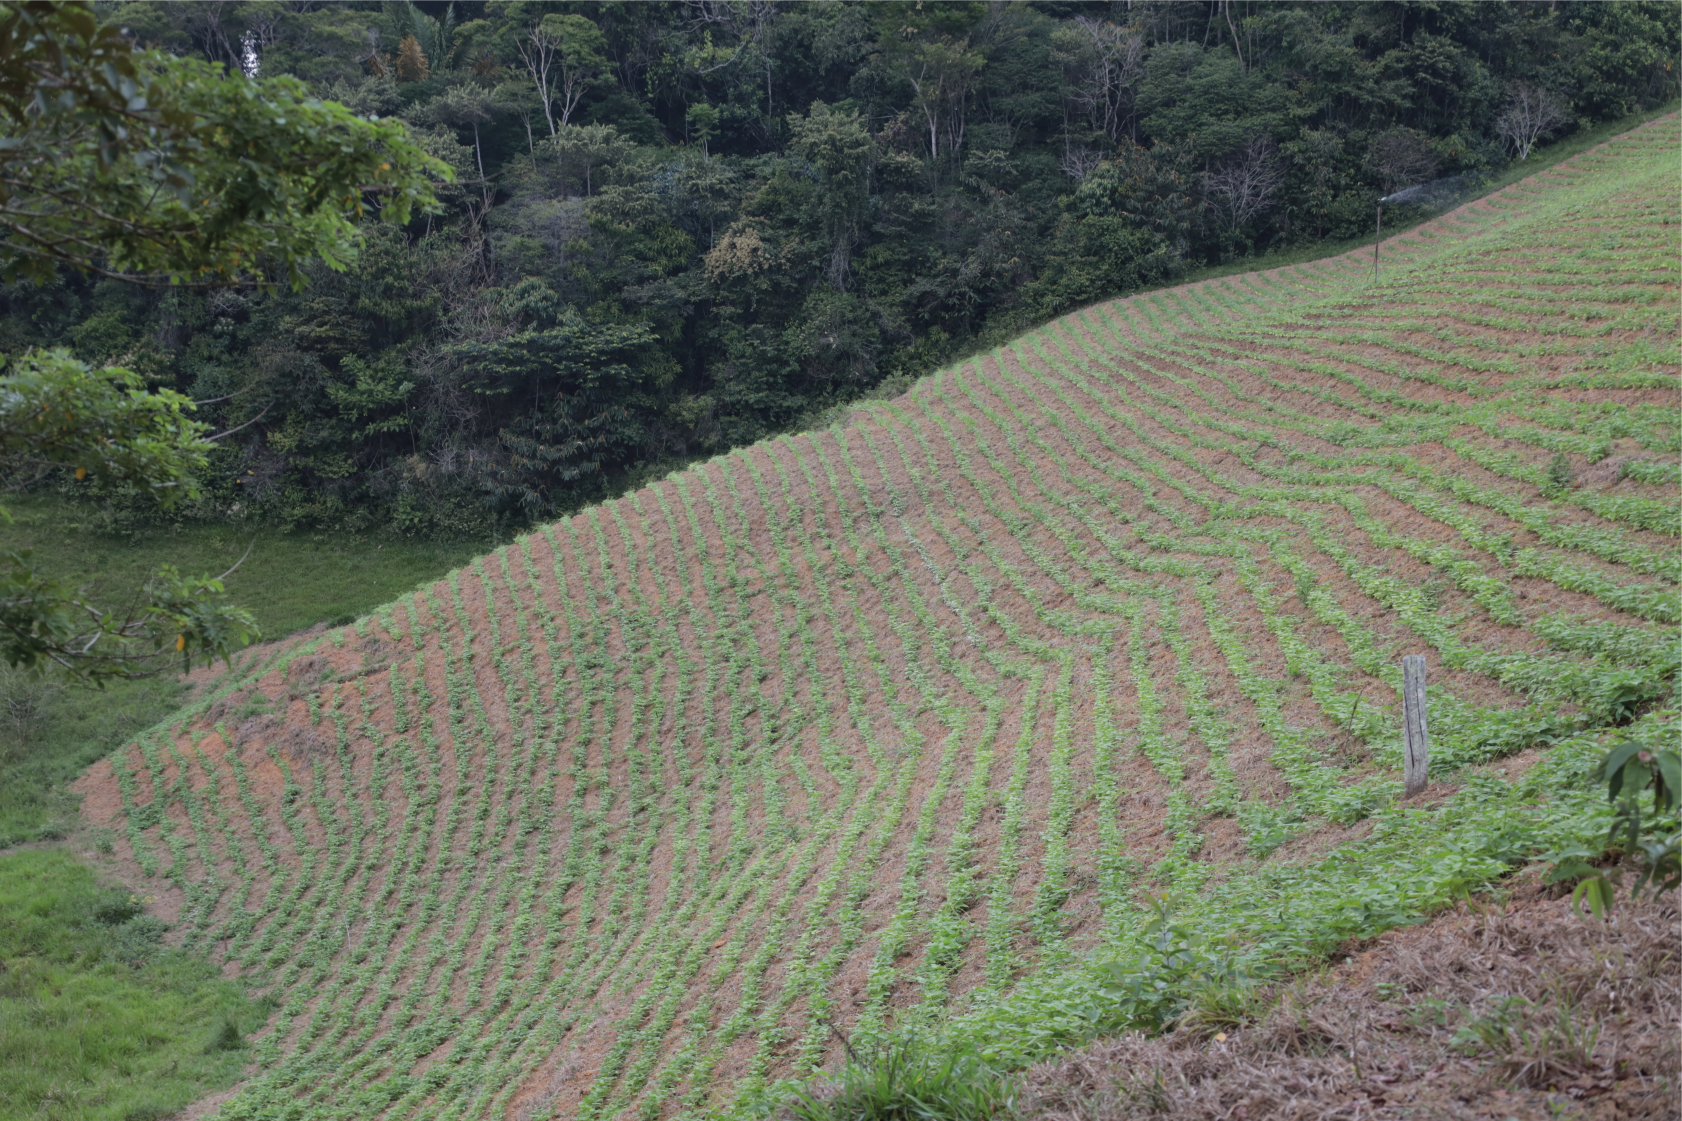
(1669, 781)
(1611, 769)
(1598, 892)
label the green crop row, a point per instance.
(890, 727)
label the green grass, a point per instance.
(290, 582)
(912, 1081)
(99, 1018)
(76, 729)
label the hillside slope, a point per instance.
(862, 726)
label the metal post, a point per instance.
(1414, 732)
(1377, 236)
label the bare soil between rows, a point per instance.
(599, 755)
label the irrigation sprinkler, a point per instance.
(1378, 229)
(1433, 193)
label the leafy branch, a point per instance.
(42, 621)
(1631, 770)
(118, 437)
(166, 171)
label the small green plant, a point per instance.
(1223, 1005)
(1148, 1093)
(226, 1037)
(909, 1081)
(1434, 591)
(1560, 1049)
(117, 908)
(1559, 475)
(1427, 1014)
(1493, 1031)
(25, 699)
(1630, 770)
(1533, 1055)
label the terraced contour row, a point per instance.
(852, 728)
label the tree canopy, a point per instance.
(742, 215)
(151, 170)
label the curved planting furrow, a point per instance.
(859, 730)
(1203, 726)
(513, 994)
(998, 956)
(1206, 727)
(948, 926)
(998, 933)
(1255, 814)
(727, 1030)
(1209, 727)
(1606, 542)
(928, 662)
(1423, 552)
(755, 766)
(628, 901)
(1180, 817)
(905, 689)
(1147, 727)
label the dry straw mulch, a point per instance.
(1519, 1009)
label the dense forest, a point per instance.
(677, 227)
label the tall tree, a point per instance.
(158, 171)
(563, 55)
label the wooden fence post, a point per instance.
(1413, 723)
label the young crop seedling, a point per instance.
(1039, 702)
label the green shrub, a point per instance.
(910, 1081)
(1560, 477)
(1644, 828)
(226, 1037)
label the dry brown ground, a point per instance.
(1516, 1009)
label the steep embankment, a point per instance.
(1512, 1010)
(863, 725)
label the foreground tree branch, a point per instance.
(156, 171)
(166, 171)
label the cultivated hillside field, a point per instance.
(893, 722)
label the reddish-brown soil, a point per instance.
(626, 814)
